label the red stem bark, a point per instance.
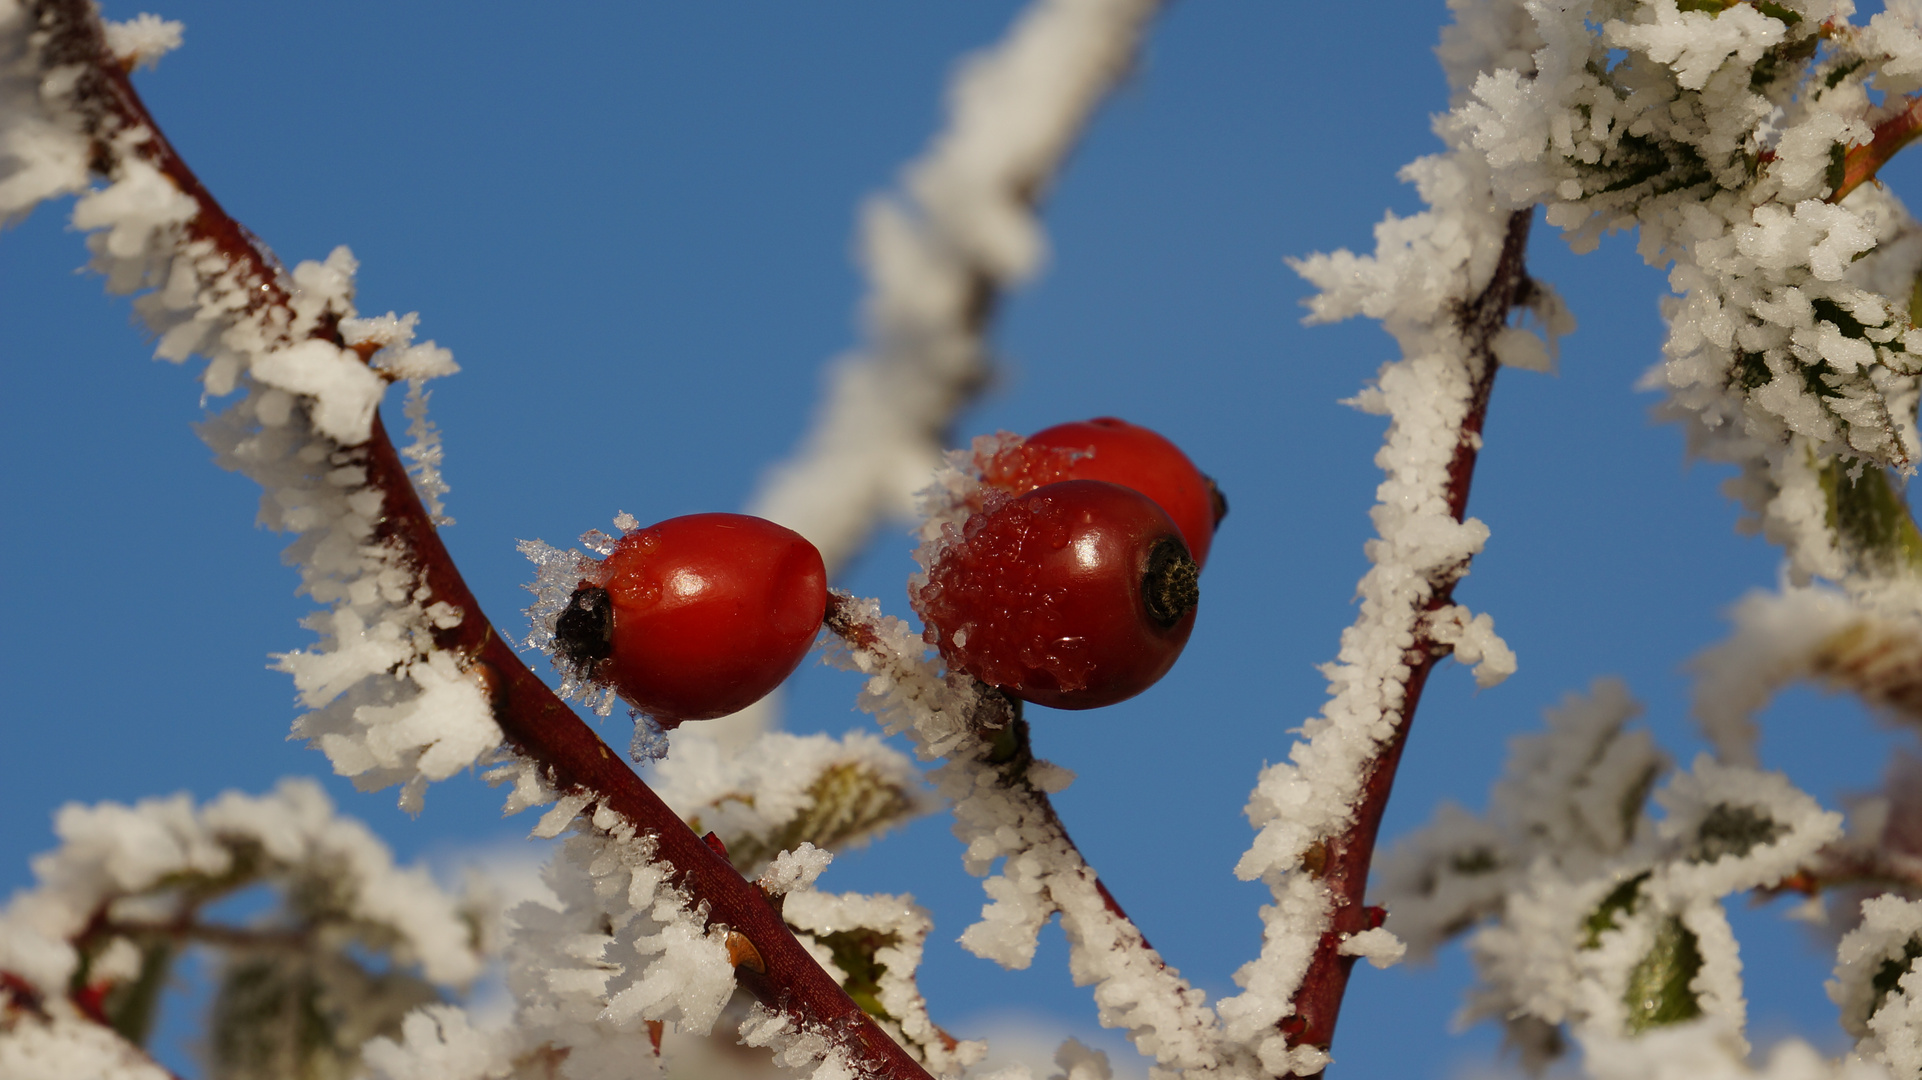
(536, 723)
(1346, 858)
(1861, 163)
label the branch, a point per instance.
(1860, 163)
(1002, 811)
(939, 257)
(1845, 865)
(1164, 1015)
(1341, 863)
(536, 723)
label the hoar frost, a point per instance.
(387, 706)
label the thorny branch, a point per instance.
(1860, 163)
(1343, 862)
(536, 723)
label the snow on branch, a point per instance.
(1002, 813)
(1443, 282)
(390, 705)
(938, 258)
(412, 683)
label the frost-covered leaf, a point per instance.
(133, 1003)
(873, 945)
(285, 1016)
(847, 802)
(1658, 991)
(1571, 797)
(782, 790)
(1609, 914)
(1878, 983)
(353, 944)
(1872, 518)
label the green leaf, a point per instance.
(1784, 58)
(1871, 517)
(133, 1006)
(1635, 797)
(1620, 901)
(1733, 830)
(1889, 976)
(1752, 371)
(1812, 379)
(854, 953)
(849, 801)
(288, 1015)
(1831, 312)
(1658, 992)
(1476, 860)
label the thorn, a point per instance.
(1315, 860)
(742, 953)
(654, 1029)
(714, 842)
(488, 678)
(1374, 915)
(1801, 881)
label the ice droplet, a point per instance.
(650, 740)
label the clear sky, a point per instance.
(632, 225)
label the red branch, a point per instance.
(1344, 860)
(1860, 163)
(536, 723)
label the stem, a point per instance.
(1136, 987)
(1860, 163)
(536, 723)
(1344, 872)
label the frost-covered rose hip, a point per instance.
(1120, 453)
(698, 616)
(1074, 595)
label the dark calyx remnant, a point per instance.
(1216, 499)
(1172, 586)
(584, 633)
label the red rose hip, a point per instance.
(698, 616)
(1075, 595)
(1120, 453)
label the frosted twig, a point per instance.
(1860, 163)
(938, 258)
(100, 102)
(1319, 813)
(1348, 853)
(1002, 811)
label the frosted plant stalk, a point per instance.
(1002, 814)
(1443, 282)
(938, 256)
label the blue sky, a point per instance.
(632, 225)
